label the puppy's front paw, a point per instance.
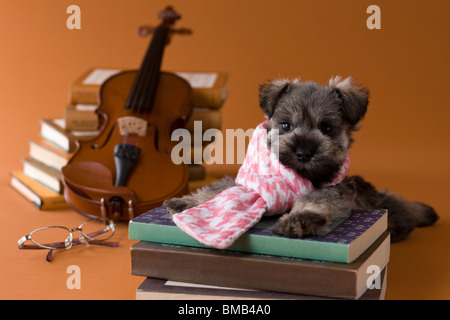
(176, 205)
(299, 224)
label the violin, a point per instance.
(127, 169)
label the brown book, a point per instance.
(45, 175)
(48, 154)
(81, 117)
(209, 88)
(210, 119)
(85, 89)
(57, 135)
(196, 172)
(39, 195)
(160, 289)
(55, 131)
(259, 272)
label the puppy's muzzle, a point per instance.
(304, 154)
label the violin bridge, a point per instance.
(132, 125)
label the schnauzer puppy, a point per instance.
(315, 125)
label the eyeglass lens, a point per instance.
(97, 229)
(51, 237)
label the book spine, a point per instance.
(83, 120)
(78, 120)
(196, 172)
(208, 98)
(210, 119)
(24, 191)
(201, 98)
(158, 289)
(36, 193)
(84, 94)
(43, 174)
(53, 204)
(234, 270)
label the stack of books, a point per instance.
(349, 262)
(39, 181)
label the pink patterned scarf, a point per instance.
(264, 186)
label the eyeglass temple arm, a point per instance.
(75, 242)
(61, 245)
(49, 255)
(50, 251)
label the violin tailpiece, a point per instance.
(125, 157)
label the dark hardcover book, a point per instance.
(160, 289)
(260, 272)
(344, 243)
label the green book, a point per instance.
(346, 241)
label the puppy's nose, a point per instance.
(304, 154)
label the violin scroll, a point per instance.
(169, 16)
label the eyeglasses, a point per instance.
(93, 231)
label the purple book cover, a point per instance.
(343, 231)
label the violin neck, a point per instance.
(145, 85)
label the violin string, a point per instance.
(137, 141)
(125, 137)
(153, 78)
(145, 71)
(146, 81)
(139, 87)
(152, 74)
(143, 75)
(131, 140)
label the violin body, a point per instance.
(127, 169)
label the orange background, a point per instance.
(403, 144)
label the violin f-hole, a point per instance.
(96, 146)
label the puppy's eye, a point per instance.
(286, 126)
(325, 128)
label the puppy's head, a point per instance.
(314, 122)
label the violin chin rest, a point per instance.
(90, 174)
(93, 178)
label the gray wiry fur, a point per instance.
(315, 124)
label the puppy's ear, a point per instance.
(354, 98)
(271, 93)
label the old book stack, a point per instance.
(349, 262)
(40, 179)
(209, 92)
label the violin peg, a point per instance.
(182, 31)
